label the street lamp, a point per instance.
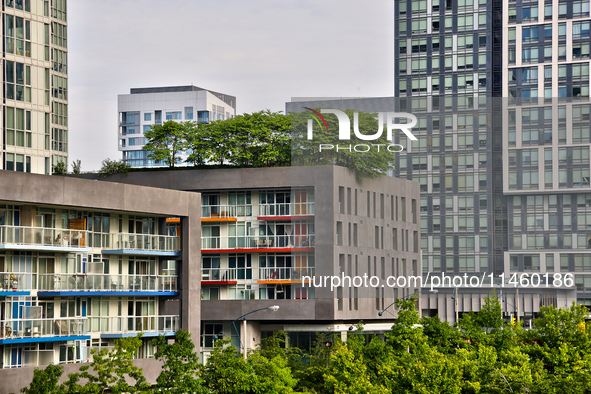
(404, 298)
(273, 308)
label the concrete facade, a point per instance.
(327, 223)
(83, 263)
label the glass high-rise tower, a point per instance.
(35, 85)
(501, 92)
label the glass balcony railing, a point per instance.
(219, 274)
(41, 236)
(269, 273)
(10, 281)
(258, 241)
(143, 324)
(232, 211)
(34, 328)
(286, 209)
(106, 282)
(285, 273)
(158, 243)
(225, 211)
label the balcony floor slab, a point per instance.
(45, 248)
(134, 334)
(43, 339)
(105, 293)
(136, 252)
(14, 293)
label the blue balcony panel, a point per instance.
(103, 292)
(137, 252)
(14, 293)
(134, 334)
(43, 339)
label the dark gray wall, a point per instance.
(326, 181)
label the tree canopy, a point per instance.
(480, 354)
(260, 139)
(271, 139)
(368, 159)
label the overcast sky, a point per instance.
(263, 52)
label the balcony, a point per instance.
(286, 211)
(149, 326)
(14, 284)
(229, 276)
(220, 276)
(84, 284)
(284, 275)
(224, 213)
(144, 244)
(258, 242)
(45, 239)
(34, 330)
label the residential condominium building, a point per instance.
(264, 230)
(83, 263)
(35, 94)
(146, 107)
(501, 91)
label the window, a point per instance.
(18, 81)
(189, 113)
(174, 115)
(581, 29)
(529, 13)
(59, 34)
(18, 36)
(147, 117)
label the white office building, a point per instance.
(142, 108)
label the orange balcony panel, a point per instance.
(219, 219)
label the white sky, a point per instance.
(263, 52)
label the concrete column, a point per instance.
(190, 270)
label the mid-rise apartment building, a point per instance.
(35, 80)
(265, 229)
(146, 107)
(83, 263)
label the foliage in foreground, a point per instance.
(480, 354)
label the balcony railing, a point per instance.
(34, 328)
(287, 209)
(219, 274)
(286, 273)
(159, 243)
(225, 211)
(106, 282)
(143, 324)
(232, 274)
(10, 281)
(41, 236)
(258, 241)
